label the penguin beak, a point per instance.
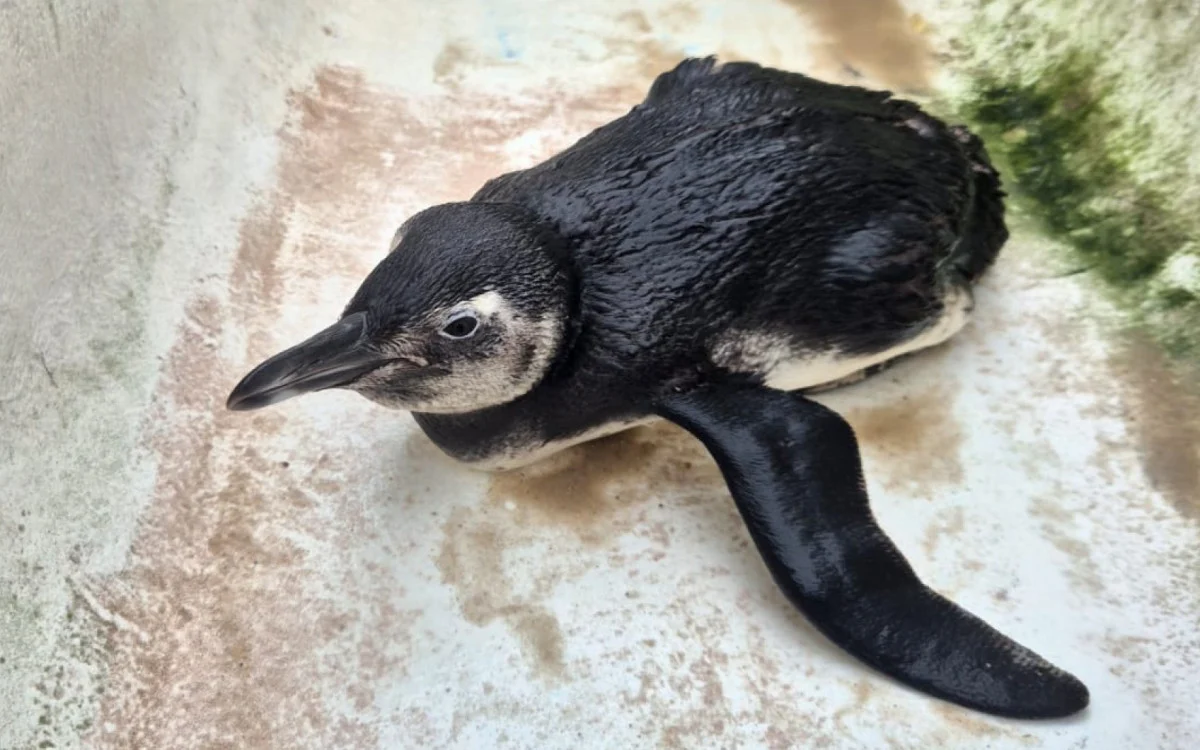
(332, 358)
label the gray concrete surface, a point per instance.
(187, 187)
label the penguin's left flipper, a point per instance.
(794, 470)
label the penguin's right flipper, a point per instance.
(794, 470)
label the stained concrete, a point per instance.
(186, 190)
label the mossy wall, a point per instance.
(1092, 110)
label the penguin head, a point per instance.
(467, 311)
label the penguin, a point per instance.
(738, 240)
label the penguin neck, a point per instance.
(572, 323)
(569, 282)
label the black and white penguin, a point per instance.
(741, 236)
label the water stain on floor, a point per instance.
(588, 487)
(472, 560)
(874, 38)
(577, 488)
(453, 60)
(592, 494)
(950, 524)
(969, 727)
(1059, 528)
(1165, 416)
(912, 445)
(1140, 388)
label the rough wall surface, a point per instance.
(186, 187)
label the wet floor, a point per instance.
(318, 575)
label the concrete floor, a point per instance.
(186, 190)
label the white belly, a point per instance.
(791, 370)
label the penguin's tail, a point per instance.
(984, 231)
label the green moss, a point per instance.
(1067, 158)
(1172, 299)
(1053, 137)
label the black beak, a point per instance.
(334, 357)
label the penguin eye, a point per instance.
(460, 326)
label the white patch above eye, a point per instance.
(488, 303)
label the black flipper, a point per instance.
(794, 470)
